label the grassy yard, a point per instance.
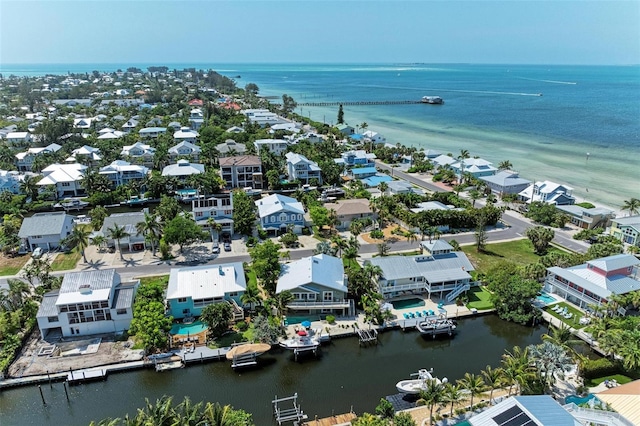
(573, 321)
(228, 339)
(252, 280)
(350, 263)
(163, 279)
(622, 380)
(12, 265)
(66, 261)
(479, 298)
(519, 251)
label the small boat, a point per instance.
(432, 327)
(301, 342)
(432, 100)
(414, 386)
(72, 204)
(255, 349)
(136, 201)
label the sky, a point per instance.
(320, 31)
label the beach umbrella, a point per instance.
(302, 333)
(306, 324)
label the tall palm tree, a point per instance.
(79, 238)
(151, 229)
(29, 186)
(433, 393)
(505, 165)
(14, 297)
(631, 205)
(251, 296)
(411, 236)
(493, 379)
(117, 233)
(472, 384)
(515, 366)
(452, 394)
(282, 300)
(340, 244)
(563, 337)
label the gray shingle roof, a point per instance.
(44, 224)
(444, 267)
(122, 219)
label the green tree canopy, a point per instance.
(512, 294)
(265, 262)
(217, 317)
(244, 213)
(183, 231)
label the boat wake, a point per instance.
(549, 81)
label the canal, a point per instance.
(343, 376)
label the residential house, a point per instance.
(263, 117)
(435, 205)
(140, 153)
(24, 160)
(10, 181)
(130, 125)
(362, 172)
(85, 154)
(623, 399)
(121, 172)
(183, 169)
(274, 146)
(287, 127)
(133, 241)
(234, 129)
(594, 282)
(191, 289)
(112, 134)
(506, 182)
(369, 176)
(219, 208)
(318, 285)
(301, 169)
(356, 158)
(374, 137)
(476, 167)
(277, 212)
(196, 103)
(152, 132)
(440, 271)
(196, 118)
(82, 123)
(243, 171)
(18, 138)
(535, 410)
(597, 217)
(185, 149)
(229, 148)
(397, 187)
(548, 192)
(67, 179)
(45, 230)
(349, 210)
(443, 161)
(626, 229)
(345, 129)
(186, 134)
(174, 125)
(88, 302)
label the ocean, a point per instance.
(576, 125)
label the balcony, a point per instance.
(328, 304)
(572, 291)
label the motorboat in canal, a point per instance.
(71, 204)
(433, 327)
(302, 341)
(419, 383)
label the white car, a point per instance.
(37, 253)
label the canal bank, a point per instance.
(342, 377)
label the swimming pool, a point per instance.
(579, 399)
(298, 320)
(546, 298)
(408, 303)
(184, 329)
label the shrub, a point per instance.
(251, 241)
(242, 326)
(421, 402)
(377, 234)
(331, 319)
(262, 234)
(594, 368)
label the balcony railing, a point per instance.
(574, 292)
(329, 304)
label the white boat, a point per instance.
(301, 343)
(414, 386)
(431, 327)
(433, 100)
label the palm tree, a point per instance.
(474, 194)
(631, 205)
(515, 366)
(213, 226)
(14, 297)
(79, 238)
(282, 300)
(340, 244)
(452, 394)
(99, 241)
(493, 379)
(251, 296)
(550, 359)
(411, 236)
(473, 384)
(433, 393)
(563, 337)
(151, 229)
(117, 233)
(505, 165)
(29, 186)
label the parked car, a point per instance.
(37, 253)
(227, 246)
(216, 248)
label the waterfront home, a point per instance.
(219, 208)
(534, 410)
(18, 138)
(183, 169)
(88, 302)
(45, 230)
(132, 241)
(374, 137)
(229, 148)
(185, 134)
(547, 192)
(506, 182)
(594, 282)
(349, 210)
(174, 125)
(152, 132)
(397, 187)
(185, 149)
(85, 154)
(140, 153)
(24, 160)
(318, 285)
(121, 172)
(356, 158)
(442, 161)
(191, 289)
(626, 229)
(243, 171)
(263, 117)
(624, 400)
(440, 271)
(597, 217)
(277, 211)
(274, 146)
(73, 102)
(301, 169)
(476, 167)
(66, 178)
(345, 129)
(362, 172)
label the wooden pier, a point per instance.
(81, 376)
(284, 415)
(367, 336)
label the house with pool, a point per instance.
(439, 271)
(318, 285)
(191, 289)
(594, 282)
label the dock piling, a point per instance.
(42, 395)
(65, 390)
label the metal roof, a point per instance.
(539, 410)
(123, 297)
(444, 267)
(276, 203)
(48, 305)
(202, 282)
(320, 270)
(45, 224)
(596, 283)
(615, 262)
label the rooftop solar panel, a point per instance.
(514, 416)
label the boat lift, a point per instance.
(294, 414)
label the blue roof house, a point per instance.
(278, 211)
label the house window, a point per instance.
(66, 184)
(182, 300)
(299, 217)
(199, 214)
(312, 296)
(273, 219)
(52, 319)
(327, 296)
(121, 312)
(233, 294)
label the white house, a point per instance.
(277, 212)
(87, 153)
(359, 158)
(182, 169)
(139, 151)
(374, 137)
(185, 134)
(301, 169)
(152, 132)
(121, 172)
(66, 178)
(114, 134)
(476, 167)
(275, 146)
(45, 230)
(548, 192)
(88, 302)
(191, 289)
(18, 138)
(318, 285)
(443, 161)
(196, 118)
(185, 149)
(130, 125)
(24, 160)
(229, 148)
(219, 208)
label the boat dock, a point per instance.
(89, 375)
(335, 420)
(285, 415)
(170, 363)
(244, 360)
(367, 336)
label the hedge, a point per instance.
(594, 368)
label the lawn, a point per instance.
(622, 380)
(250, 276)
(163, 279)
(227, 340)
(12, 265)
(350, 263)
(519, 251)
(479, 298)
(573, 321)
(65, 261)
